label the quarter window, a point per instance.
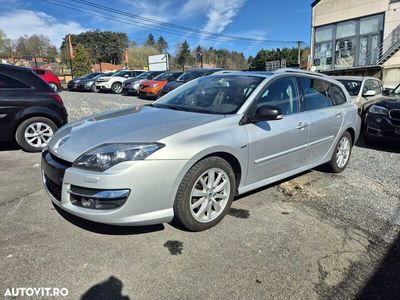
(336, 94)
(281, 94)
(7, 82)
(315, 94)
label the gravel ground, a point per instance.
(314, 236)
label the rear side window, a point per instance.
(40, 72)
(315, 95)
(336, 94)
(7, 82)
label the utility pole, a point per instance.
(201, 58)
(299, 53)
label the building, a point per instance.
(357, 37)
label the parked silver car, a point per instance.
(187, 155)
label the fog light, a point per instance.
(378, 120)
(87, 202)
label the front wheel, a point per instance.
(205, 194)
(35, 133)
(116, 88)
(341, 154)
(53, 86)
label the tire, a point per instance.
(208, 213)
(116, 88)
(27, 128)
(53, 86)
(343, 149)
(93, 88)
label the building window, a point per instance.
(348, 44)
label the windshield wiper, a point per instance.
(166, 106)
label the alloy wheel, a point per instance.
(209, 195)
(343, 152)
(38, 134)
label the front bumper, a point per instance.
(103, 85)
(151, 197)
(128, 89)
(380, 126)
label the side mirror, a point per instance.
(369, 93)
(386, 92)
(266, 113)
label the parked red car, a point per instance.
(49, 77)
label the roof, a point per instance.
(315, 2)
(361, 78)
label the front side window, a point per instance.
(315, 94)
(223, 94)
(7, 82)
(281, 94)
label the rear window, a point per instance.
(39, 72)
(7, 82)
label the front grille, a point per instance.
(53, 188)
(394, 114)
(64, 163)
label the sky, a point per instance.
(283, 20)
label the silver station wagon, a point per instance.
(187, 155)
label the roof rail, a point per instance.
(290, 70)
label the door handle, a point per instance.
(338, 114)
(302, 125)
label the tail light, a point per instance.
(56, 97)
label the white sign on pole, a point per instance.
(158, 62)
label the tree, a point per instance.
(162, 44)
(103, 46)
(81, 64)
(150, 42)
(6, 46)
(183, 56)
(138, 56)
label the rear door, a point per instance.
(278, 146)
(14, 95)
(324, 115)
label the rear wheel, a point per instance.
(205, 194)
(116, 88)
(35, 133)
(341, 155)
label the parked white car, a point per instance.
(364, 91)
(114, 82)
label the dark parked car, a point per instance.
(30, 110)
(72, 84)
(382, 120)
(186, 77)
(89, 84)
(131, 85)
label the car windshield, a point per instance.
(164, 76)
(90, 76)
(352, 86)
(396, 91)
(119, 74)
(185, 77)
(223, 94)
(144, 75)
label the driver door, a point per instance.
(278, 146)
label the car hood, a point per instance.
(136, 124)
(389, 102)
(173, 85)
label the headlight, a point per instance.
(376, 109)
(154, 85)
(89, 83)
(105, 156)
